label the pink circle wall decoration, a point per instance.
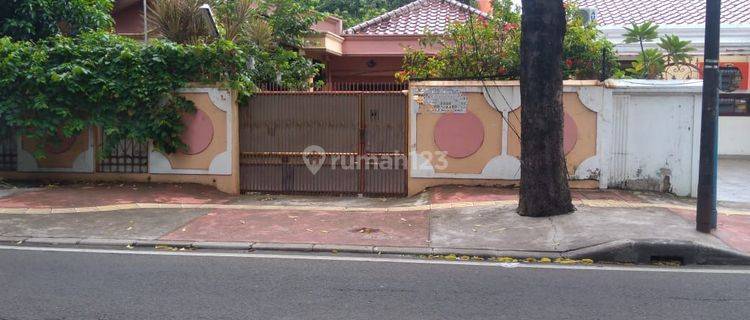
(459, 134)
(199, 132)
(570, 134)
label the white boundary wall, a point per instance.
(655, 135)
(648, 134)
(734, 136)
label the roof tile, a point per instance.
(622, 12)
(416, 18)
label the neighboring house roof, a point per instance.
(672, 12)
(416, 18)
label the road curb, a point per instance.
(223, 245)
(520, 254)
(648, 250)
(106, 242)
(12, 239)
(303, 247)
(402, 250)
(341, 248)
(163, 243)
(53, 241)
(641, 251)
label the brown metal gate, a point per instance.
(128, 156)
(356, 141)
(8, 156)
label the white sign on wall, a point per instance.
(445, 100)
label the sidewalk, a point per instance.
(609, 225)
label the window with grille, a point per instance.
(734, 105)
(128, 156)
(8, 157)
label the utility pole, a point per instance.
(706, 210)
(145, 20)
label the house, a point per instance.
(683, 18)
(363, 57)
(128, 17)
(373, 51)
(686, 19)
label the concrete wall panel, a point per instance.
(734, 136)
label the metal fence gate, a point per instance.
(324, 142)
(128, 156)
(8, 156)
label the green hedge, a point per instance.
(64, 84)
(38, 19)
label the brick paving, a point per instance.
(291, 226)
(91, 195)
(208, 215)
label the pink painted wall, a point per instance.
(386, 51)
(357, 45)
(356, 69)
(329, 24)
(485, 5)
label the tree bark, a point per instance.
(544, 177)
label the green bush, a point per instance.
(479, 48)
(585, 50)
(653, 63)
(270, 32)
(286, 69)
(64, 84)
(38, 19)
(489, 48)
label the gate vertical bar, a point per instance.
(362, 142)
(406, 147)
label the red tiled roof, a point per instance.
(416, 18)
(622, 12)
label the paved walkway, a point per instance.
(734, 175)
(449, 218)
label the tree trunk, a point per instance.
(544, 177)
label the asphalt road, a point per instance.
(80, 285)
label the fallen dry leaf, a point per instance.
(366, 230)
